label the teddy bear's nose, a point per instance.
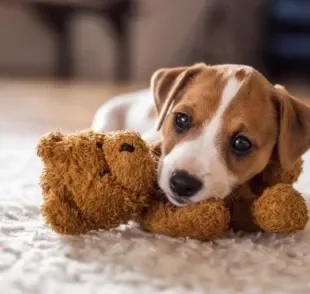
(127, 147)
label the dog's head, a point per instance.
(220, 126)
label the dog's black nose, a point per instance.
(183, 184)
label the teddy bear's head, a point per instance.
(122, 157)
(99, 171)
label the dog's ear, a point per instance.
(166, 84)
(156, 148)
(294, 127)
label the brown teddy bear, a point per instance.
(97, 181)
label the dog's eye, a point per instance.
(127, 147)
(182, 122)
(241, 145)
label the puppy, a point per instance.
(218, 127)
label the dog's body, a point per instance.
(220, 126)
(133, 111)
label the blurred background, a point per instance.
(61, 59)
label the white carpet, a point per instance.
(35, 260)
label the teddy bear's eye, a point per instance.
(99, 145)
(127, 147)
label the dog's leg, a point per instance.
(239, 203)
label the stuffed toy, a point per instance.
(94, 181)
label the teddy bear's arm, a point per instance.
(62, 214)
(202, 221)
(280, 209)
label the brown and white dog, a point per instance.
(219, 126)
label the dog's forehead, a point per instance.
(218, 75)
(209, 84)
(229, 96)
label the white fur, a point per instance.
(128, 112)
(201, 157)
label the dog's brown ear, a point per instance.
(156, 148)
(294, 127)
(166, 83)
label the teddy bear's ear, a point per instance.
(50, 145)
(294, 127)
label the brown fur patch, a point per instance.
(244, 116)
(294, 126)
(241, 74)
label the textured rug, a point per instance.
(33, 259)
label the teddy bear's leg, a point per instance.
(280, 209)
(62, 215)
(202, 221)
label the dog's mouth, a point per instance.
(179, 201)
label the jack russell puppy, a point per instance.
(218, 127)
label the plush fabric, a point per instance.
(36, 260)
